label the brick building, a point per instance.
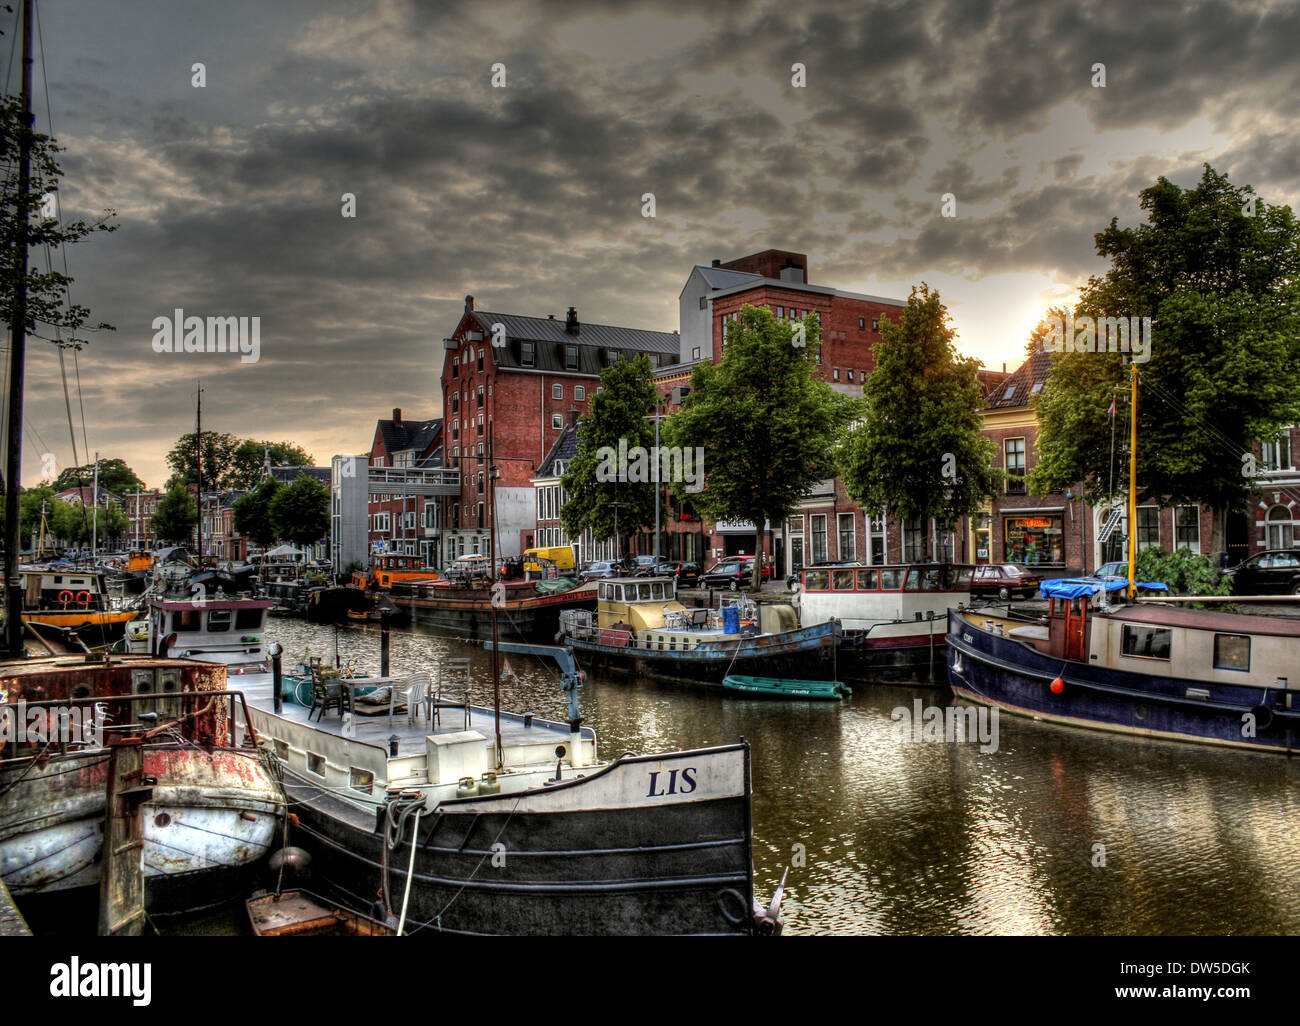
(512, 380)
(402, 521)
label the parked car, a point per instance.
(598, 570)
(749, 566)
(686, 574)
(1006, 580)
(728, 573)
(1272, 572)
(1112, 570)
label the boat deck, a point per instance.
(377, 728)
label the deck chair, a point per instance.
(452, 689)
(419, 695)
(326, 695)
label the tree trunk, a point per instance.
(1219, 535)
(756, 582)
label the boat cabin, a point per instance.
(385, 571)
(230, 631)
(61, 590)
(859, 596)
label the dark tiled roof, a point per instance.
(432, 461)
(1018, 387)
(594, 341)
(565, 448)
(409, 434)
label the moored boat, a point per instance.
(805, 690)
(640, 628)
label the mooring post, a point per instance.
(383, 642)
(121, 881)
(276, 651)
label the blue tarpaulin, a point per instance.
(1077, 587)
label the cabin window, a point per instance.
(816, 580)
(186, 620)
(248, 619)
(842, 580)
(891, 579)
(1146, 642)
(657, 590)
(619, 594)
(1232, 652)
(643, 591)
(219, 620)
(361, 780)
(316, 764)
(604, 591)
(281, 749)
(867, 580)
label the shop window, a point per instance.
(1034, 541)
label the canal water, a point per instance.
(1057, 831)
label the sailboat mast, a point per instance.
(17, 359)
(198, 455)
(1132, 483)
(492, 602)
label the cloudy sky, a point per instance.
(529, 196)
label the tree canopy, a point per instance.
(918, 450)
(603, 498)
(253, 513)
(1217, 270)
(300, 512)
(114, 476)
(766, 423)
(176, 516)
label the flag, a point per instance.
(1110, 414)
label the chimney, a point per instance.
(717, 262)
(571, 322)
(571, 416)
(397, 415)
(469, 304)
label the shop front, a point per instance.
(1034, 540)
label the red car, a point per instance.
(748, 563)
(1005, 580)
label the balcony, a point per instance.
(409, 481)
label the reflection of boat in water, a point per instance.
(466, 830)
(214, 804)
(894, 618)
(640, 628)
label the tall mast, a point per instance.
(17, 359)
(198, 453)
(492, 577)
(1132, 483)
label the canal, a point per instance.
(1057, 831)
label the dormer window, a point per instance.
(527, 352)
(570, 357)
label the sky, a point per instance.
(529, 195)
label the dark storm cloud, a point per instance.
(530, 196)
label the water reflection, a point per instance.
(937, 838)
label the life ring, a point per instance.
(1263, 717)
(83, 598)
(65, 597)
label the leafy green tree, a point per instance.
(300, 512)
(176, 516)
(605, 499)
(250, 459)
(219, 451)
(766, 423)
(918, 450)
(1218, 272)
(253, 513)
(68, 521)
(114, 476)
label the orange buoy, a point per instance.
(1058, 686)
(65, 597)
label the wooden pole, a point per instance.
(1132, 484)
(121, 881)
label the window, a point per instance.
(850, 375)
(527, 354)
(816, 580)
(847, 549)
(455, 402)
(867, 580)
(1232, 652)
(876, 540)
(1014, 450)
(430, 515)
(704, 302)
(557, 421)
(1279, 529)
(835, 374)
(570, 357)
(913, 540)
(1034, 540)
(408, 520)
(875, 324)
(579, 393)
(695, 353)
(1148, 535)
(862, 324)
(1187, 527)
(1146, 642)
(480, 425)
(842, 580)
(892, 580)
(557, 391)
(1277, 453)
(382, 522)
(480, 397)
(819, 538)
(780, 313)
(455, 366)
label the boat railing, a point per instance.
(61, 725)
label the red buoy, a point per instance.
(1058, 686)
